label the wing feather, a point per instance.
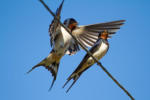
(80, 40)
(91, 36)
(88, 34)
(89, 39)
(86, 41)
(54, 26)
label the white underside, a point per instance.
(63, 41)
(100, 52)
(66, 36)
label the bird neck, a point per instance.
(104, 36)
(105, 41)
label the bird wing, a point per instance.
(88, 34)
(55, 25)
(73, 48)
(77, 73)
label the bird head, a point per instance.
(105, 35)
(71, 23)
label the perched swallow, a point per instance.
(99, 49)
(87, 35)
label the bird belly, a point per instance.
(86, 65)
(53, 57)
(62, 42)
(98, 55)
(66, 36)
(101, 51)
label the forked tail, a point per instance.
(51, 63)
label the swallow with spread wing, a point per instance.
(98, 50)
(63, 43)
(57, 34)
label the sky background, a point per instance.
(24, 42)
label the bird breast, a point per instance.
(62, 42)
(66, 36)
(101, 51)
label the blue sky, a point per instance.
(24, 41)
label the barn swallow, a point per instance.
(57, 34)
(99, 49)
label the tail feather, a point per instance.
(53, 69)
(76, 74)
(38, 65)
(51, 66)
(75, 77)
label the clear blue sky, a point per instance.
(24, 41)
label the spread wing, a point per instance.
(55, 25)
(88, 35)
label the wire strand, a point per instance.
(89, 53)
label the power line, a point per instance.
(89, 53)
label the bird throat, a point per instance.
(104, 36)
(72, 26)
